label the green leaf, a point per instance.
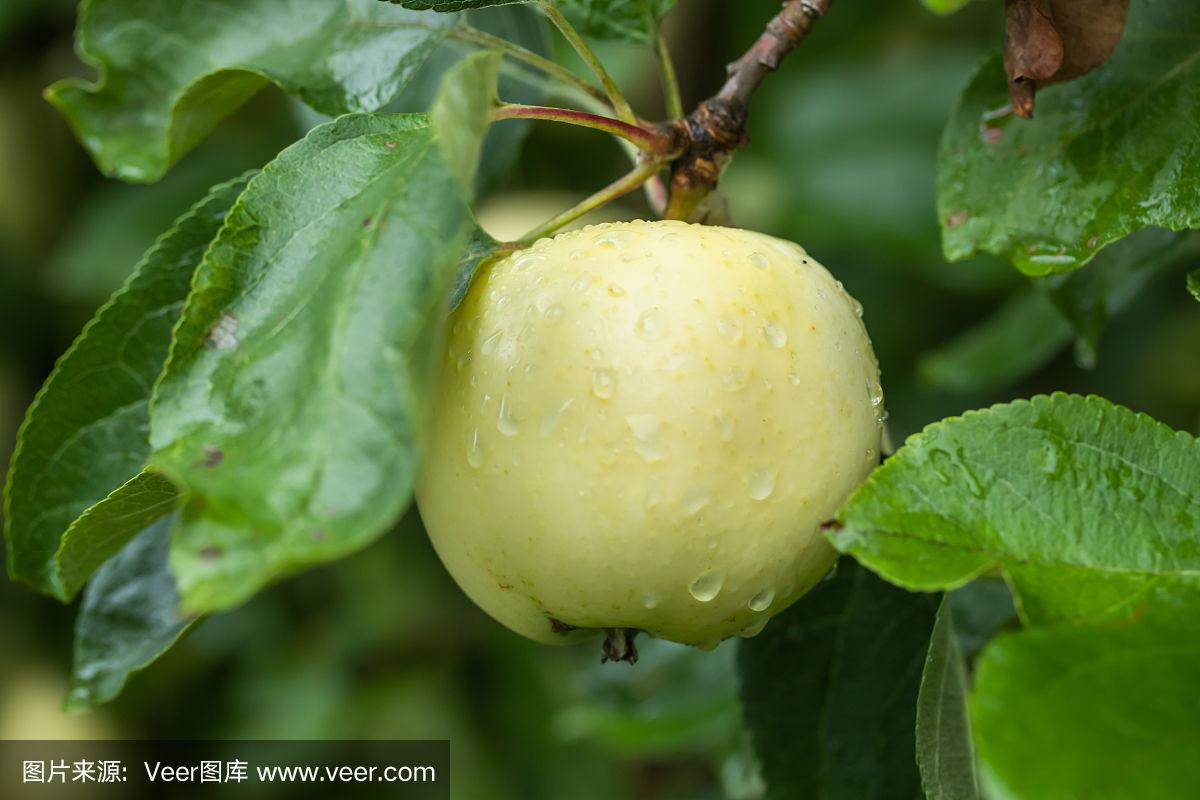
(1108, 154)
(128, 618)
(981, 609)
(1024, 334)
(678, 701)
(86, 433)
(462, 113)
(945, 6)
(1087, 509)
(1035, 324)
(102, 530)
(1088, 297)
(480, 248)
(829, 690)
(1193, 284)
(945, 751)
(168, 75)
(299, 380)
(1083, 712)
(633, 20)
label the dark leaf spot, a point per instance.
(212, 457)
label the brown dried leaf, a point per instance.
(1050, 41)
(1033, 52)
(1090, 31)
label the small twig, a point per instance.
(619, 188)
(654, 141)
(717, 128)
(666, 67)
(466, 33)
(619, 103)
(519, 53)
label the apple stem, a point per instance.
(619, 103)
(717, 128)
(619, 646)
(654, 141)
(644, 171)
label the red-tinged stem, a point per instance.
(619, 103)
(652, 141)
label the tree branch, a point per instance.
(717, 128)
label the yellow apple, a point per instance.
(642, 426)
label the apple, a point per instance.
(642, 427)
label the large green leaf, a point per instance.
(1112, 152)
(86, 434)
(1088, 510)
(829, 690)
(128, 618)
(1082, 712)
(945, 751)
(169, 73)
(298, 383)
(605, 19)
(1193, 284)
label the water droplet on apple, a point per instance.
(762, 601)
(488, 346)
(550, 421)
(525, 259)
(730, 330)
(476, 454)
(645, 428)
(707, 586)
(724, 427)
(695, 500)
(774, 334)
(604, 383)
(762, 483)
(506, 423)
(651, 325)
(875, 391)
(754, 628)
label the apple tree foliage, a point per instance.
(1015, 614)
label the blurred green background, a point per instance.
(383, 644)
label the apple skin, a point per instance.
(643, 426)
